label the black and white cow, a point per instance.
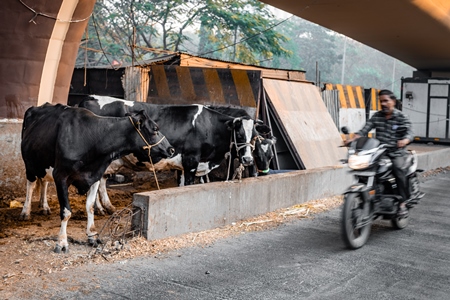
(79, 146)
(263, 153)
(201, 136)
(262, 147)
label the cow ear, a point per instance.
(141, 115)
(136, 120)
(273, 139)
(262, 129)
(230, 124)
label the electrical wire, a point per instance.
(100, 43)
(246, 39)
(36, 14)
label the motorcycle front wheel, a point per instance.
(355, 221)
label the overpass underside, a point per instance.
(416, 32)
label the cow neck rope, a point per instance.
(242, 145)
(148, 147)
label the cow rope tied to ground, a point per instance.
(148, 147)
(117, 230)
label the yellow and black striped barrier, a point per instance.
(190, 85)
(350, 96)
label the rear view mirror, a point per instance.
(345, 130)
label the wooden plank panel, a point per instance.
(306, 120)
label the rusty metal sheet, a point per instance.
(306, 121)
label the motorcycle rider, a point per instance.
(386, 122)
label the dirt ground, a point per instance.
(26, 247)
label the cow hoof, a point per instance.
(94, 241)
(99, 212)
(58, 249)
(46, 212)
(24, 217)
(111, 210)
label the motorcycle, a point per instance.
(375, 194)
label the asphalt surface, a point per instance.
(305, 259)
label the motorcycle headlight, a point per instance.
(358, 162)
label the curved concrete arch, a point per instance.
(40, 41)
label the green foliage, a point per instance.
(237, 30)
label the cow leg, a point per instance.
(98, 207)
(189, 177)
(190, 165)
(104, 198)
(26, 210)
(43, 202)
(180, 177)
(65, 213)
(90, 200)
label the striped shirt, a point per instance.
(389, 131)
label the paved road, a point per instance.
(301, 260)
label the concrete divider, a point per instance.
(175, 211)
(434, 159)
(193, 208)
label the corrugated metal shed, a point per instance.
(188, 60)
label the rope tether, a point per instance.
(148, 147)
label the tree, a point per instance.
(310, 43)
(238, 30)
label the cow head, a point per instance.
(263, 153)
(156, 145)
(242, 129)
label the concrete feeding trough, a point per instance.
(175, 211)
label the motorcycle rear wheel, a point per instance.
(352, 215)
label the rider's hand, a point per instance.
(402, 143)
(348, 142)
